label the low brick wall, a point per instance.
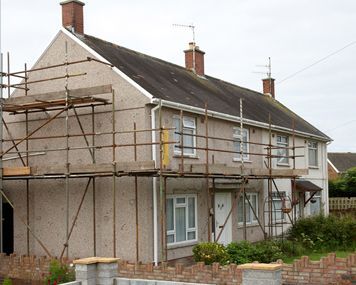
(29, 269)
(329, 270)
(199, 273)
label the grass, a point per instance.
(316, 256)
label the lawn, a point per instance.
(316, 256)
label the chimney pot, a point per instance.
(194, 59)
(268, 87)
(73, 16)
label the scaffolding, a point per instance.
(61, 103)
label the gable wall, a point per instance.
(47, 197)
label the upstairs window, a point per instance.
(313, 153)
(282, 151)
(239, 136)
(189, 139)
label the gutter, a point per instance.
(232, 118)
(154, 187)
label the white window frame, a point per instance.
(252, 216)
(177, 150)
(282, 151)
(276, 197)
(245, 137)
(188, 230)
(313, 146)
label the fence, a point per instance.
(342, 203)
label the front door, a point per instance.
(222, 209)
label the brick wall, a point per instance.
(25, 268)
(198, 273)
(329, 270)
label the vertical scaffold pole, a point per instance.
(27, 164)
(93, 180)
(1, 145)
(113, 173)
(67, 150)
(242, 170)
(209, 199)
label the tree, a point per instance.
(345, 186)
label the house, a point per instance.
(339, 163)
(111, 152)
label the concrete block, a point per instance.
(83, 275)
(122, 281)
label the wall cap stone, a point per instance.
(94, 260)
(260, 266)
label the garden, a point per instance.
(313, 236)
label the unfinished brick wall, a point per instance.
(329, 270)
(199, 273)
(26, 268)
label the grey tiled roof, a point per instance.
(342, 160)
(175, 83)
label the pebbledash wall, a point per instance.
(329, 270)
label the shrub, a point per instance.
(210, 252)
(241, 252)
(7, 281)
(325, 233)
(264, 251)
(59, 273)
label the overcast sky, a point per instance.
(237, 36)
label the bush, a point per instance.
(241, 252)
(325, 233)
(345, 186)
(209, 252)
(264, 251)
(7, 281)
(59, 273)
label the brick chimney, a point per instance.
(194, 59)
(72, 15)
(268, 86)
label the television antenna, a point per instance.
(192, 27)
(268, 67)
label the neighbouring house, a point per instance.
(339, 163)
(116, 153)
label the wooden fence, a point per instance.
(341, 203)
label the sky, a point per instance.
(238, 36)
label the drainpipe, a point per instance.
(154, 187)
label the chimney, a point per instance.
(194, 59)
(72, 16)
(268, 86)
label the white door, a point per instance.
(222, 209)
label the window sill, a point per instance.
(182, 244)
(283, 164)
(313, 167)
(239, 160)
(240, 225)
(178, 155)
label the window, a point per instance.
(282, 152)
(315, 204)
(313, 153)
(189, 140)
(277, 204)
(181, 219)
(238, 136)
(250, 216)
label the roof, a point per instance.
(306, 186)
(175, 83)
(342, 161)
